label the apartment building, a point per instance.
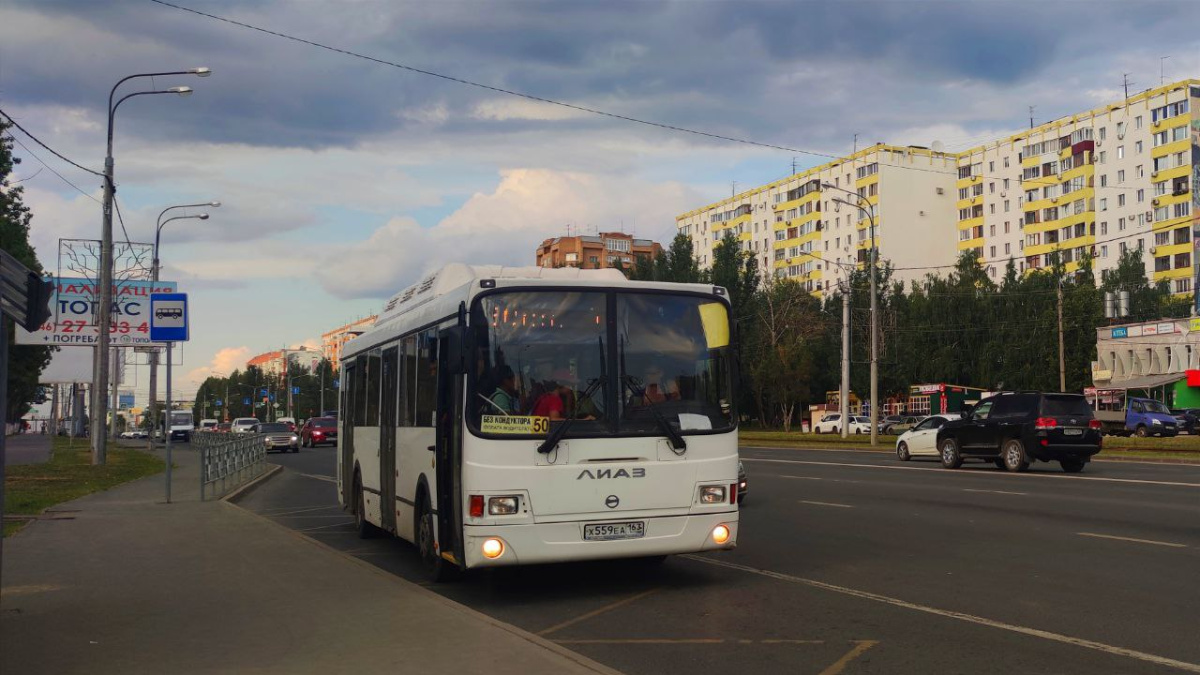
(1113, 178)
(333, 341)
(804, 226)
(605, 249)
(272, 363)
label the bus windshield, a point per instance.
(612, 363)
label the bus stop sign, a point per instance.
(168, 317)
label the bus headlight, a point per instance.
(492, 548)
(503, 506)
(712, 494)
(720, 534)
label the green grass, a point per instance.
(1179, 447)
(33, 488)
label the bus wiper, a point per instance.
(556, 435)
(677, 441)
(494, 405)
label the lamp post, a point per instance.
(105, 286)
(154, 270)
(870, 213)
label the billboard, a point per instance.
(125, 401)
(73, 314)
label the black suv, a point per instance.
(1013, 429)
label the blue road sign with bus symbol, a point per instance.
(168, 317)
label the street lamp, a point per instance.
(104, 309)
(154, 270)
(870, 213)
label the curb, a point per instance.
(574, 657)
(247, 488)
(1134, 460)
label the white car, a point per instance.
(243, 425)
(921, 440)
(832, 424)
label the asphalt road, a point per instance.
(851, 562)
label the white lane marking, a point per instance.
(287, 510)
(803, 477)
(977, 473)
(995, 492)
(961, 616)
(840, 506)
(327, 479)
(324, 527)
(1139, 541)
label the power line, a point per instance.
(61, 177)
(52, 150)
(549, 101)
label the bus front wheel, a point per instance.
(437, 568)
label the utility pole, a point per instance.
(844, 394)
(1031, 115)
(1062, 362)
(1125, 78)
(874, 332)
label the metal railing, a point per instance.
(228, 460)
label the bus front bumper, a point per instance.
(564, 542)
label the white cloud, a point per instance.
(225, 361)
(504, 227)
(509, 108)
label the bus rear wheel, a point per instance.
(437, 568)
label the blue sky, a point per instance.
(343, 180)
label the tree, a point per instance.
(778, 352)
(25, 362)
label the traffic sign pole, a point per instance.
(169, 323)
(167, 422)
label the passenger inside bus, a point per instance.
(505, 397)
(558, 402)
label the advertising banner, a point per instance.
(73, 319)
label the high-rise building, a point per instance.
(808, 228)
(333, 341)
(1099, 182)
(1113, 178)
(605, 249)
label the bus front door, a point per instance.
(346, 436)
(449, 456)
(387, 439)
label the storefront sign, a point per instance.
(1120, 333)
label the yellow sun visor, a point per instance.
(715, 319)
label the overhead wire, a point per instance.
(57, 154)
(43, 163)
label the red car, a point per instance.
(318, 430)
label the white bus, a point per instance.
(505, 416)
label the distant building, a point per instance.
(595, 251)
(1160, 358)
(333, 341)
(272, 363)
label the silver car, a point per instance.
(277, 436)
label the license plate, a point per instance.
(1072, 432)
(606, 531)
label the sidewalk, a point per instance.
(27, 449)
(133, 585)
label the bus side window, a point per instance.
(426, 365)
(359, 384)
(374, 384)
(408, 380)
